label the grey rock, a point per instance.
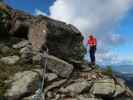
(108, 87)
(51, 76)
(20, 83)
(54, 85)
(105, 87)
(26, 54)
(4, 49)
(78, 87)
(21, 44)
(81, 97)
(58, 66)
(25, 50)
(27, 57)
(57, 96)
(119, 90)
(69, 99)
(27, 98)
(49, 94)
(37, 57)
(11, 60)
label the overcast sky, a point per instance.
(111, 21)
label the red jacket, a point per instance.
(92, 42)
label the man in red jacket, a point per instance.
(92, 42)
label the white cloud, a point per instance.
(90, 15)
(114, 39)
(97, 16)
(39, 12)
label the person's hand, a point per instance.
(95, 48)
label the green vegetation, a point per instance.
(109, 71)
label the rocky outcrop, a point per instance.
(63, 40)
(67, 76)
(64, 80)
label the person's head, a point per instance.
(90, 35)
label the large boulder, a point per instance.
(58, 66)
(20, 84)
(63, 40)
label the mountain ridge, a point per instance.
(68, 77)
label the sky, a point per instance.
(111, 22)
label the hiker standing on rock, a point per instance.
(92, 42)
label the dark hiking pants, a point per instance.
(92, 54)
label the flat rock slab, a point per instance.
(104, 87)
(77, 87)
(58, 66)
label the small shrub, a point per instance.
(109, 71)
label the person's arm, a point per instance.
(96, 44)
(87, 43)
